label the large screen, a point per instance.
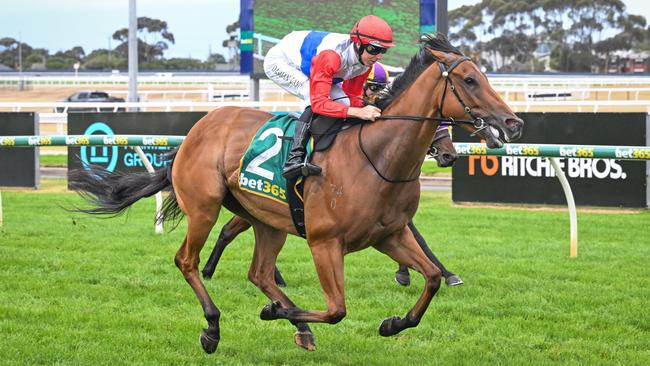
(273, 19)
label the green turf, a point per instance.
(430, 167)
(81, 290)
(54, 160)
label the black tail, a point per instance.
(113, 192)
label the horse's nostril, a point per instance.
(514, 124)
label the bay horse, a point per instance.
(366, 195)
(442, 150)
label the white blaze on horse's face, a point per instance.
(475, 99)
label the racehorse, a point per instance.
(366, 195)
(442, 149)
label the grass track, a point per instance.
(80, 290)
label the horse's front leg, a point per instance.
(403, 248)
(328, 259)
(402, 275)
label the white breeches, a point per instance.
(289, 76)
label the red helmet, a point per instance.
(372, 30)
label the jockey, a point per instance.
(310, 64)
(376, 81)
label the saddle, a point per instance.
(324, 130)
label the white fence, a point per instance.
(589, 93)
(62, 107)
(163, 79)
(57, 113)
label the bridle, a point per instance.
(477, 122)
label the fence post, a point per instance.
(573, 216)
(149, 167)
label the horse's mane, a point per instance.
(422, 60)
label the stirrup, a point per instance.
(304, 169)
(308, 169)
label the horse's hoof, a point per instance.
(208, 342)
(305, 340)
(453, 281)
(387, 327)
(207, 275)
(402, 278)
(269, 311)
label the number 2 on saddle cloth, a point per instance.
(260, 170)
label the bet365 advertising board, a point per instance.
(124, 158)
(594, 182)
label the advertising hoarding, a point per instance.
(19, 166)
(595, 182)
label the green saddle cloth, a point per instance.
(260, 169)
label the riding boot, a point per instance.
(296, 164)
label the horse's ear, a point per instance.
(438, 55)
(425, 39)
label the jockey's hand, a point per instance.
(369, 112)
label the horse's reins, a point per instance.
(476, 122)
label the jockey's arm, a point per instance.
(323, 67)
(353, 88)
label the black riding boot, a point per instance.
(296, 164)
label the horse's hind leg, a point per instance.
(268, 243)
(201, 205)
(404, 249)
(228, 233)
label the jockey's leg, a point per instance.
(296, 164)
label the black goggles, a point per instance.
(375, 50)
(375, 87)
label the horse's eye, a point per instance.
(470, 81)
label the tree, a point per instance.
(154, 41)
(100, 60)
(9, 49)
(574, 30)
(232, 43)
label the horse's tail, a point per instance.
(111, 193)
